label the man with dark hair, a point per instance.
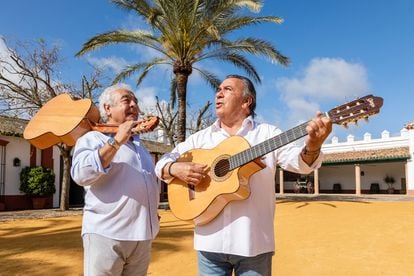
(241, 238)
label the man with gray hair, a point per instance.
(121, 192)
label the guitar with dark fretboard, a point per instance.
(233, 161)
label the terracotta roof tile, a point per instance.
(156, 147)
(400, 153)
(12, 126)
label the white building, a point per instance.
(360, 166)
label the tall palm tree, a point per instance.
(186, 32)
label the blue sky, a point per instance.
(339, 50)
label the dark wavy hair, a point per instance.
(249, 90)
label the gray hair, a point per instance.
(249, 90)
(107, 98)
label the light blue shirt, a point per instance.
(121, 201)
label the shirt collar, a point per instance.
(133, 138)
(248, 124)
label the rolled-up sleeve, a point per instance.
(86, 164)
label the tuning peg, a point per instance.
(356, 122)
(366, 119)
(346, 125)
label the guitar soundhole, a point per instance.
(222, 168)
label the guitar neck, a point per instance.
(267, 146)
(343, 114)
(142, 126)
(109, 128)
(105, 128)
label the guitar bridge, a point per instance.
(191, 191)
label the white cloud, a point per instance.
(4, 51)
(5, 58)
(113, 63)
(323, 80)
(146, 99)
(146, 52)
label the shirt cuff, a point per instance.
(315, 165)
(169, 157)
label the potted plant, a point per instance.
(390, 182)
(38, 183)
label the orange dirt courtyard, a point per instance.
(312, 238)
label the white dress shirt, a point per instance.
(244, 227)
(121, 201)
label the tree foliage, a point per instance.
(187, 32)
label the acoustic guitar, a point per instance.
(64, 120)
(233, 161)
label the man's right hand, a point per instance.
(125, 131)
(189, 172)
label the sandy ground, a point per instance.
(312, 238)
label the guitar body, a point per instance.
(205, 201)
(61, 119)
(233, 161)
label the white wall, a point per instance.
(20, 148)
(410, 164)
(373, 173)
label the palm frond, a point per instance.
(241, 62)
(248, 45)
(130, 5)
(128, 72)
(140, 37)
(145, 67)
(210, 78)
(237, 22)
(145, 72)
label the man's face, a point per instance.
(124, 108)
(230, 102)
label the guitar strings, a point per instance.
(260, 149)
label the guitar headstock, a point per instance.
(360, 108)
(146, 125)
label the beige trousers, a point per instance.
(104, 256)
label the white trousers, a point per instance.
(104, 256)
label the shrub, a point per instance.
(389, 180)
(37, 181)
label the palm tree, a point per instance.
(185, 32)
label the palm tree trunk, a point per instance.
(182, 79)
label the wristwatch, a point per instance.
(113, 143)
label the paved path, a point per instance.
(42, 213)
(46, 213)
